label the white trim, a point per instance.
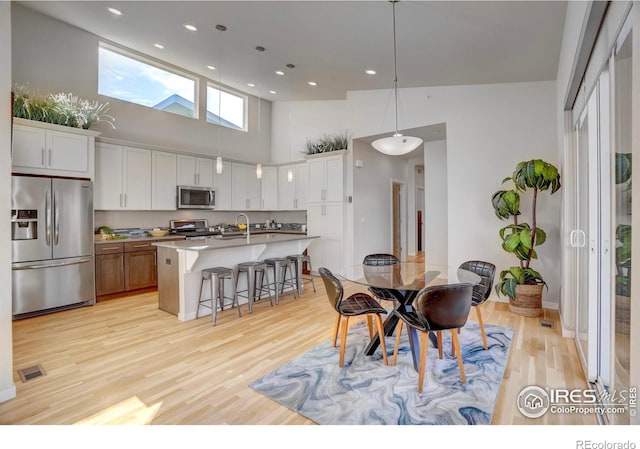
(8, 393)
(403, 213)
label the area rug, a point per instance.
(367, 392)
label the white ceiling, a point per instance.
(333, 42)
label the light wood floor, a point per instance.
(124, 361)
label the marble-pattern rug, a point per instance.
(365, 391)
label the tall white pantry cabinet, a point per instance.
(325, 210)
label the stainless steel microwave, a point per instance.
(196, 197)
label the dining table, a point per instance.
(403, 281)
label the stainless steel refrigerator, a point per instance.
(51, 244)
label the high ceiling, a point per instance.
(334, 42)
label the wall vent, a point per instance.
(33, 372)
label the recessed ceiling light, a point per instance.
(190, 27)
(160, 46)
(115, 12)
(312, 83)
(273, 92)
(251, 85)
(210, 67)
(370, 72)
(279, 72)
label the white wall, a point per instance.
(436, 199)
(372, 209)
(490, 128)
(295, 122)
(7, 387)
(61, 58)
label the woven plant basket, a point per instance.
(528, 300)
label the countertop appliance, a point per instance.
(51, 244)
(196, 197)
(191, 229)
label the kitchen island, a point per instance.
(180, 263)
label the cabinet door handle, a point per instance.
(49, 157)
(121, 200)
(42, 156)
(109, 248)
(142, 246)
(295, 203)
(125, 200)
(262, 203)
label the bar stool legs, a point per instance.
(282, 265)
(252, 269)
(217, 276)
(299, 259)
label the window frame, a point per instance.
(155, 64)
(244, 97)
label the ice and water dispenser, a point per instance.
(24, 224)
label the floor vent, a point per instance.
(33, 372)
(546, 323)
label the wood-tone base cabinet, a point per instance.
(125, 266)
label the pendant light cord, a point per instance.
(395, 64)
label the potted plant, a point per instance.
(623, 248)
(521, 283)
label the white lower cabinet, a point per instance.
(326, 221)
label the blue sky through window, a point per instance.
(134, 81)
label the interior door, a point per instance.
(397, 232)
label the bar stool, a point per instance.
(252, 269)
(217, 276)
(299, 259)
(280, 266)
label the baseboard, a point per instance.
(8, 393)
(567, 333)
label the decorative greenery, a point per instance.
(623, 231)
(60, 109)
(327, 143)
(520, 239)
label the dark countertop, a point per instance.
(170, 237)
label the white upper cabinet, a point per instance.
(164, 180)
(246, 188)
(292, 189)
(195, 171)
(326, 179)
(123, 178)
(222, 187)
(269, 188)
(43, 148)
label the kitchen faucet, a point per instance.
(246, 218)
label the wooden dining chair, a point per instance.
(436, 309)
(355, 305)
(481, 291)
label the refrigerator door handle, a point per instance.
(62, 264)
(47, 217)
(56, 218)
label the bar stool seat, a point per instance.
(280, 266)
(217, 276)
(299, 259)
(253, 290)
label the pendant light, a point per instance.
(290, 170)
(259, 49)
(397, 144)
(221, 29)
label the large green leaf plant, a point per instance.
(521, 238)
